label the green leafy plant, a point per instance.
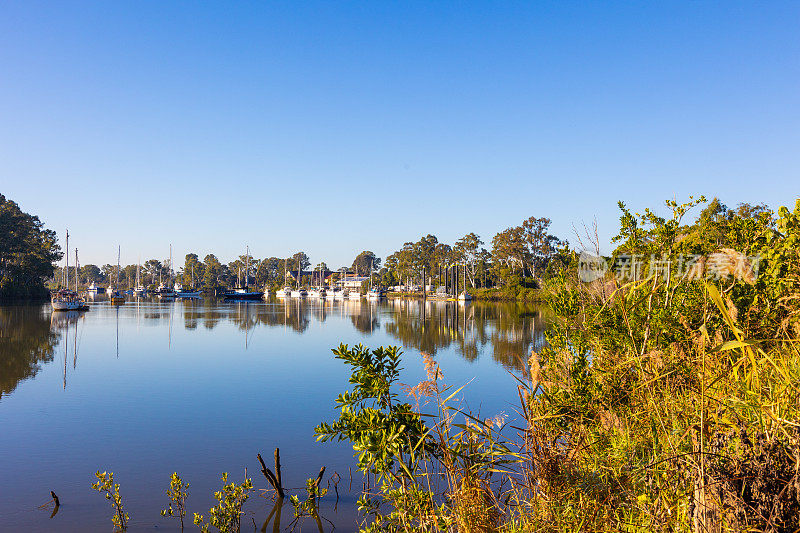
(309, 508)
(227, 516)
(177, 493)
(385, 432)
(431, 478)
(106, 486)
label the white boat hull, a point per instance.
(68, 306)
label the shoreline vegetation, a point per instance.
(516, 264)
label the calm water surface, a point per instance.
(200, 387)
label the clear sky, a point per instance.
(333, 127)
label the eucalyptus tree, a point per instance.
(467, 249)
(192, 271)
(91, 273)
(271, 271)
(213, 272)
(153, 270)
(129, 275)
(509, 252)
(299, 261)
(365, 262)
(542, 246)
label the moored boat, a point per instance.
(334, 293)
(65, 299)
(116, 298)
(94, 289)
(242, 293)
(164, 292)
(181, 293)
(285, 292)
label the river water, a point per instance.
(200, 387)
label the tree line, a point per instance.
(28, 252)
(518, 256)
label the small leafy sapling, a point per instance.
(227, 516)
(105, 485)
(177, 493)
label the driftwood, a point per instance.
(273, 479)
(57, 503)
(319, 477)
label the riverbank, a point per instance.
(494, 294)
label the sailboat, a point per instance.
(140, 290)
(298, 292)
(315, 292)
(116, 297)
(180, 293)
(244, 293)
(465, 296)
(165, 291)
(285, 292)
(65, 299)
(373, 293)
(334, 292)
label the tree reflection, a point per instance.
(293, 314)
(26, 342)
(511, 330)
(364, 316)
(507, 331)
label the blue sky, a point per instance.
(337, 127)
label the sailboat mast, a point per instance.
(77, 269)
(66, 284)
(116, 281)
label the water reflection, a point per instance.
(506, 331)
(510, 330)
(26, 341)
